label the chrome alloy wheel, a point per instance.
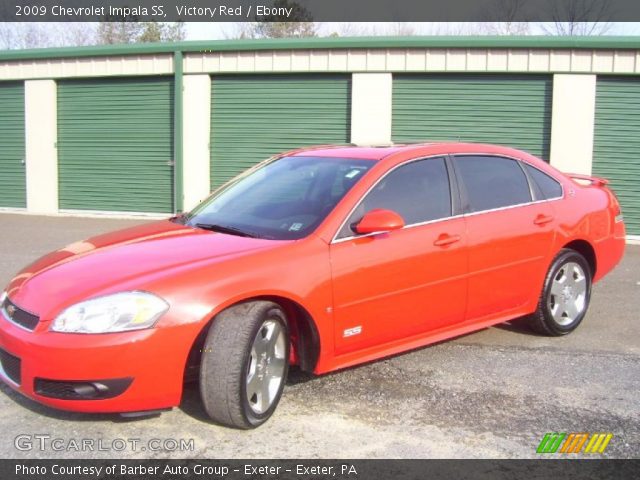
(266, 367)
(567, 297)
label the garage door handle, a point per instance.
(446, 239)
(543, 219)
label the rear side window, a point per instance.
(548, 186)
(492, 182)
(418, 191)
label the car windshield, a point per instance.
(284, 199)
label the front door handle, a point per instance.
(543, 219)
(445, 239)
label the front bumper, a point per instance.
(154, 360)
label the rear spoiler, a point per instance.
(597, 181)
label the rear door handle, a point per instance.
(543, 219)
(445, 239)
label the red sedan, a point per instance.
(324, 258)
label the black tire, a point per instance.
(227, 359)
(543, 320)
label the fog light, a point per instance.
(84, 390)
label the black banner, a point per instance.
(318, 469)
(320, 10)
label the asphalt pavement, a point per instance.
(493, 393)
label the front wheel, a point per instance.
(565, 296)
(244, 364)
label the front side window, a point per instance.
(418, 191)
(492, 182)
(285, 199)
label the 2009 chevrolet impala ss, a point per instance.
(325, 258)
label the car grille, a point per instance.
(19, 316)
(11, 366)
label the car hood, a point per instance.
(101, 264)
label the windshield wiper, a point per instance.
(226, 229)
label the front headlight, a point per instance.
(3, 297)
(119, 312)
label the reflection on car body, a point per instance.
(323, 258)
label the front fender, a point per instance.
(298, 272)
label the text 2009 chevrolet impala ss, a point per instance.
(325, 257)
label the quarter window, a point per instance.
(548, 186)
(418, 191)
(492, 182)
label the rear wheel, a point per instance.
(244, 364)
(565, 297)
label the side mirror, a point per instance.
(379, 221)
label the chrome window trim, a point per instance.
(533, 187)
(444, 219)
(337, 240)
(509, 207)
(499, 155)
(551, 177)
(406, 227)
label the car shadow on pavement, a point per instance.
(49, 412)
(192, 405)
(518, 325)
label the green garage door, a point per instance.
(506, 110)
(115, 144)
(12, 170)
(616, 152)
(254, 117)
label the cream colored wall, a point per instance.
(572, 122)
(521, 60)
(572, 117)
(196, 126)
(371, 108)
(87, 67)
(41, 153)
(534, 60)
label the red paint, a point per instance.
(406, 287)
(380, 220)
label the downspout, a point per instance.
(178, 160)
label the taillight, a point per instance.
(615, 204)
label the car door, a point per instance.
(403, 283)
(510, 233)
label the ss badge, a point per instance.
(350, 332)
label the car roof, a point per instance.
(382, 151)
(349, 151)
